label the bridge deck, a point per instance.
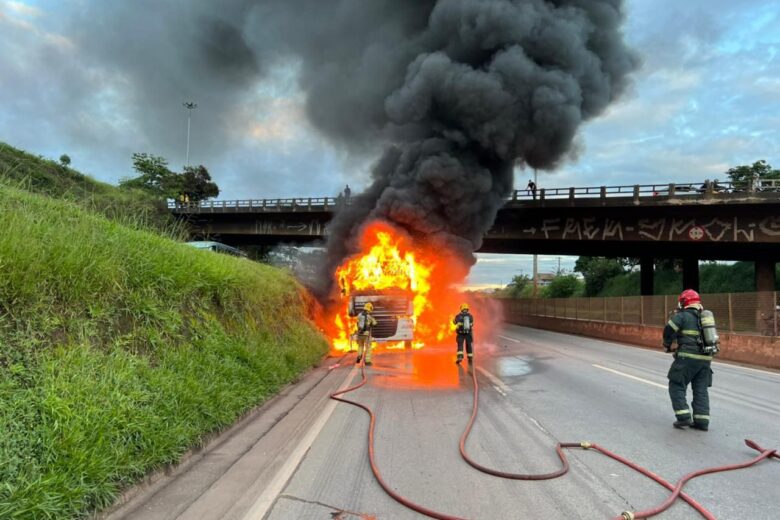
(641, 194)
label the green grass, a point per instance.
(664, 282)
(46, 177)
(120, 349)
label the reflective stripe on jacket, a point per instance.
(684, 328)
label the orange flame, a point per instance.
(390, 261)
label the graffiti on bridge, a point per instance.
(272, 227)
(736, 229)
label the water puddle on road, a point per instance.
(513, 367)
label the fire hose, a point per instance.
(676, 489)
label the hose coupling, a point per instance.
(586, 445)
(628, 515)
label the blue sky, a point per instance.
(707, 97)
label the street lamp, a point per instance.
(536, 257)
(190, 106)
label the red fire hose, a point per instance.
(559, 450)
(627, 515)
(374, 468)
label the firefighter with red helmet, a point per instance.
(464, 326)
(692, 360)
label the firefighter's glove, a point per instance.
(667, 348)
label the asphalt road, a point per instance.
(537, 388)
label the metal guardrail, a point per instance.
(637, 192)
(743, 313)
(261, 205)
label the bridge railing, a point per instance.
(269, 205)
(648, 190)
(636, 191)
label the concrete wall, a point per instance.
(743, 348)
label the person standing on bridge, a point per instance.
(464, 327)
(531, 188)
(691, 363)
(365, 324)
(347, 193)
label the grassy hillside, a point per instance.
(119, 349)
(46, 177)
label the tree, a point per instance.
(197, 184)
(745, 174)
(516, 286)
(597, 270)
(65, 160)
(155, 177)
(563, 286)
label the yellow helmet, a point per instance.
(464, 306)
(369, 307)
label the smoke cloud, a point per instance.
(462, 89)
(449, 94)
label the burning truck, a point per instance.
(393, 311)
(411, 286)
(389, 276)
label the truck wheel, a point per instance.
(407, 344)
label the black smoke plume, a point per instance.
(462, 90)
(454, 91)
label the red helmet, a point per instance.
(689, 297)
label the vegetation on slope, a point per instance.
(120, 349)
(714, 278)
(609, 278)
(57, 180)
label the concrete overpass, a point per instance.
(686, 221)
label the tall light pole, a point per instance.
(190, 106)
(536, 257)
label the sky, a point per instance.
(100, 80)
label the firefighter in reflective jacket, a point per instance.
(365, 322)
(464, 326)
(691, 365)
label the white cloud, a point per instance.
(20, 8)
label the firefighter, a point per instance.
(464, 326)
(365, 322)
(691, 363)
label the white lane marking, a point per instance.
(499, 390)
(629, 376)
(261, 506)
(659, 353)
(729, 365)
(496, 381)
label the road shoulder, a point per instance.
(220, 479)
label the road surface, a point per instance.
(305, 456)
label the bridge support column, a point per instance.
(646, 278)
(765, 275)
(766, 318)
(690, 274)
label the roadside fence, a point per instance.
(743, 313)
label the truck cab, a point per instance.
(393, 311)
